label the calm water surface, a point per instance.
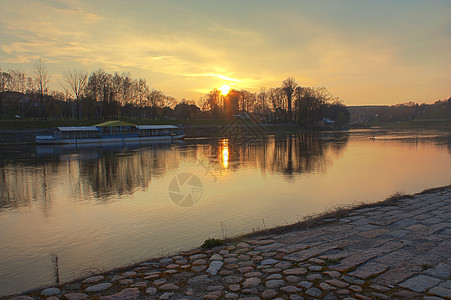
(100, 208)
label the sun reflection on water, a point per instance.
(225, 153)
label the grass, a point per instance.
(210, 243)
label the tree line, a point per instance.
(101, 95)
(439, 110)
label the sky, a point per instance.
(366, 52)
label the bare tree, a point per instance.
(41, 79)
(76, 82)
(288, 86)
(155, 99)
(5, 78)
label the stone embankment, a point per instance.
(399, 249)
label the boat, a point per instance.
(111, 132)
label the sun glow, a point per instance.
(224, 89)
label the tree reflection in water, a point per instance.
(104, 175)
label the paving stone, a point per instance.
(380, 296)
(93, 279)
(353, 280)
(50, 291)
(151, 291)
(243, 245)
(166, 296)
(326, 287)
(269, 261)
(232, 279)
(159, 281)
(275, 283)
(362, 297)
(199, 262)
(309, 252)
(371, 234)
(343, 292)
(355, 288)
(231, 296)
(379, 287)
(215, 288)
(305, 284)
(406, 294)
(398, 274)
(316, 261)
(290, 289)
(433, 220)
(169, 287)
(197, 256)
(446, 284)
(314, 292)
(216, 257)
(398, 233)
(130, 274)
(296, 271)
(292, 278)
(333, 274)
(244, 257)
(283, 264)
(245, 269)
(215, 265)
(271, 270)
(274, 276)
(213, 295)
(75, 296)
(442, 270)
(251, 282)
(313, 277)
(230, 260)
(337, 283)
(420, 283)
(315, 268)
(369, 270)
(128, 293)
(353, 261)
(253, 274)
(330, 296)
(200, 280)
(198, 269)
(269, 247)
(441, 292)
(98, 287)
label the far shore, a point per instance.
(24, 131)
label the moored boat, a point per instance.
(111, 132)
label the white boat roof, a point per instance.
(79, 128)
(156, 126)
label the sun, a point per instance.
(224, 89)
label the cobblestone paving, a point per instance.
(396, 251)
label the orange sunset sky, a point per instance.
(365, 52)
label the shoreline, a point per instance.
(284, 257)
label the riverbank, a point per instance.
(27, 136)
(398, 248)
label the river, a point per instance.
(98, 208)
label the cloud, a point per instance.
(182, 47)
